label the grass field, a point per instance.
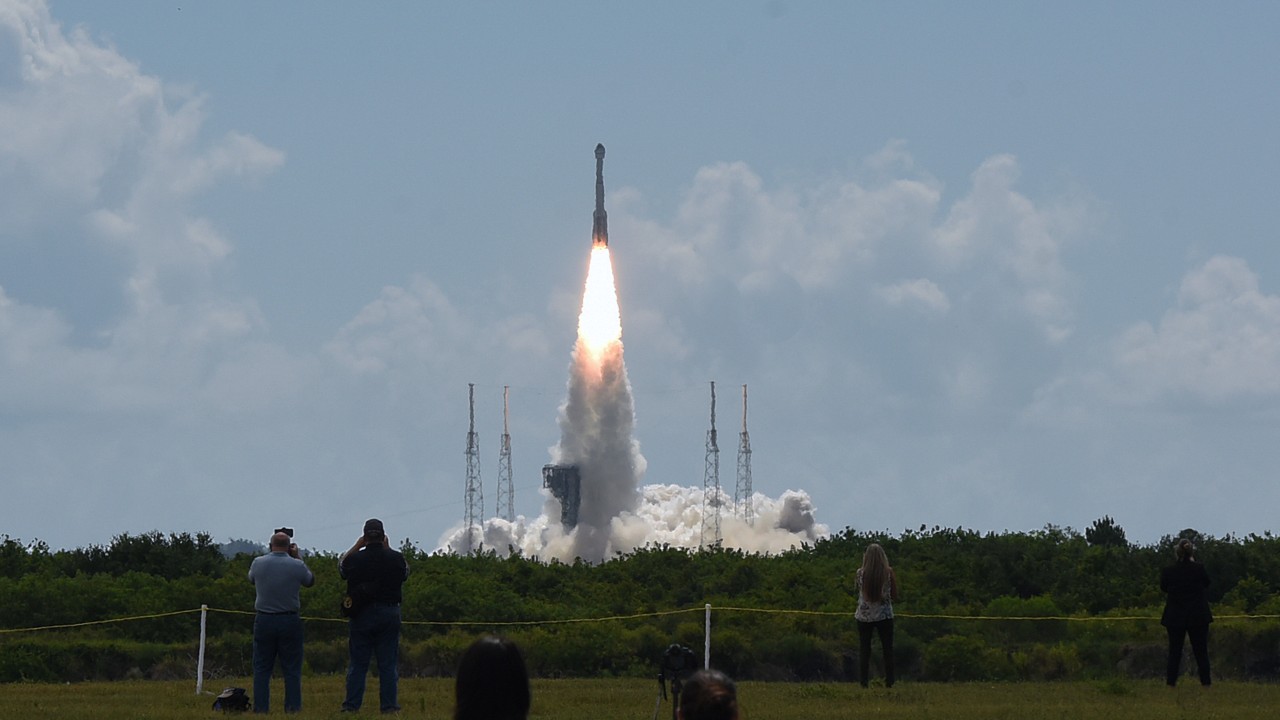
(634, 698)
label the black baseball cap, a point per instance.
(373, 529)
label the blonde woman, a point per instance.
(877, 589)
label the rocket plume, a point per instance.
(615, 512)
(598, 416)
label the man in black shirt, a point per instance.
(374, 573)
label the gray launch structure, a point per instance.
(565, 483)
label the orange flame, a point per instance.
(599, 323)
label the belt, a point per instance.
(286, 612)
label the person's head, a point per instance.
(492, 682)
(373, 532)
(708, 695)
(280, 541)
(875, 571)
(1184, 550)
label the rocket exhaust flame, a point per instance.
(599, 321)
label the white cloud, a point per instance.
(750, 272)
(1222, 342)
(998, 227)
(414, 333)
(95, 154)
(921, 295)
(403, 327)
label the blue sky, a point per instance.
(996, 265)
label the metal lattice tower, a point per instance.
(474, 495)
(742, 491)
(506, 492)
(711, 483)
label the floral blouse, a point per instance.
(875, 612)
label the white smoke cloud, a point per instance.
(665, 515)
(596, 424)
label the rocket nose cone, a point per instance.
(599, 150)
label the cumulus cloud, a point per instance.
(1221, 343)
(84, 134)
(755, 277)
(996, 224)
(417, 331)
(100, 160)
(1218, 348)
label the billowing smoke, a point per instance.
(664, 515)
(617, 514)
(595, 435)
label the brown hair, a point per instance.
(875, 573)
(709, 695)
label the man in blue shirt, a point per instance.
(277, 627)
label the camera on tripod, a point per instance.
(678, 663)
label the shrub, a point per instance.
(964, 658)
(1047, 662)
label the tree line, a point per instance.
(1088, 586)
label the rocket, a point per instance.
(599, 220)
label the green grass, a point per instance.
(635, 698)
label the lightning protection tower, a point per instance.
(742, 491)
(474, 495)
(711, 483)
(506, 492)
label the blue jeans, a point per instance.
(374, 632)
(277, 636)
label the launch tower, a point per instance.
(474, 502)
(742, 491)
(711, 483)
(506, 492)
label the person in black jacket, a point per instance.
(1186, 612)
(374, 573)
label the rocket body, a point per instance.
(599, 220)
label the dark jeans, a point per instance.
(1199, 635)
(374, 632)
(885, 629)
(277, 636)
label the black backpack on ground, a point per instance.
(232, 700)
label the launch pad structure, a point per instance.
(565, 483)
